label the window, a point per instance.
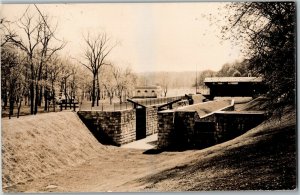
(139, 91)
(146, 91)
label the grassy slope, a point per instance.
(35, 146)
(262, 159)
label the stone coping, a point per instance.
(128, 109)
(240, 112)
(220, 110)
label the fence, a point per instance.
(157, 101)
(127, 105)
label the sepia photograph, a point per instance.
(148, 97)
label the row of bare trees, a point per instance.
(58, 78)
(34, 71)
(118, 81)
(29, 45)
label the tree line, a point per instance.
(268, 32)
(234, 69)
(35, 73)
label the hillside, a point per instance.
(36, 146)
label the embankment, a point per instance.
(35, 146)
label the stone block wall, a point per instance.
(117, 127)
(165, 129)
(176, 129)
(232, 124)
(151, 120)
(185, 129)
(184, 123)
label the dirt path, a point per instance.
(147, 143)
(109, 173)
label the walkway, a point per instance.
(147, 143)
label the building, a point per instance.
(147, 92)
(232, 87)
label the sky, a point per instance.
(149, 36)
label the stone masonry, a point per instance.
(151, 120)
(117, 125)
(181, 129)
(165, 129)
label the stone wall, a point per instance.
(185, 129)
(116, 127)
(232, 124)
(184, 122)
(151, 120)
(165, 129)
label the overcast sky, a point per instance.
(151, 36)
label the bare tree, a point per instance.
(37, 35)
(164, 82)
(108, 82)
(54, 69)
(124, 79)
(98, 48)
(12, 76)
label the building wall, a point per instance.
(147, 92)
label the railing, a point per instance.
(107, 106)
(157, 101)
(128, 105)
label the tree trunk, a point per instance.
(11, 100)
(4, 95)
(98, 90)
(32, 91)
(36, 98)
(46, 99)
(110, 100)
(19, 107)
(11, 106)
(26, 99)
(93, 90)
(66, 95)
(40, 99)
(46, 90)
